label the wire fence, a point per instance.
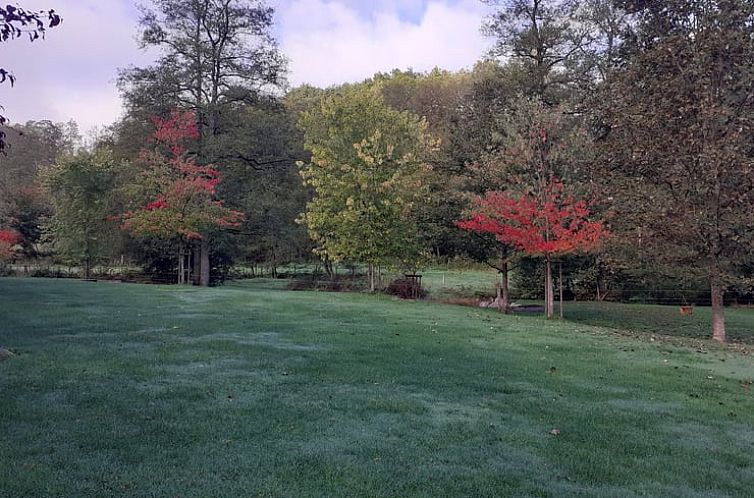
(467, 284)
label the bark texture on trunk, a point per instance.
(196, 261)
(181, 269)
(204, 263)
(718, 316)
(87, 261)
(371, 275)
(549, 291)
(502, 300)
(560, 287)
(505, 285)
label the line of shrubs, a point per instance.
(404, 288)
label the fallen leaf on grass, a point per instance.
(555, 432)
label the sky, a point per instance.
(71, 73)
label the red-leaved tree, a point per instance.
(8, 239)
(549, 225)
(184, 204)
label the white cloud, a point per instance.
(71, 73)
(330, 41)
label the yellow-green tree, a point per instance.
(80, 188)
(367, 171)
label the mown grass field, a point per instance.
(636, 318)
(248, 390)
(446, 283)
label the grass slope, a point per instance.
(637, 318)
(248, 390)
(665, 320)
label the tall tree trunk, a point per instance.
(204, 263)
(560, 287)
(502, 301)
(181, 266)
(599, 278)
(188, 266)
(371, 275)
(87, 258)
(549, 292)
(196, 262)
(718, 317)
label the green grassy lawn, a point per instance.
(251, 391)
(651, 319)
(442, 283)
(664, 320)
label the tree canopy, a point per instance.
(366, 174)
(678, 153)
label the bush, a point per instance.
(406, 288)
(528, 279)
(333, 284)
(53, 272)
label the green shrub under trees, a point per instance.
(81, 189)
